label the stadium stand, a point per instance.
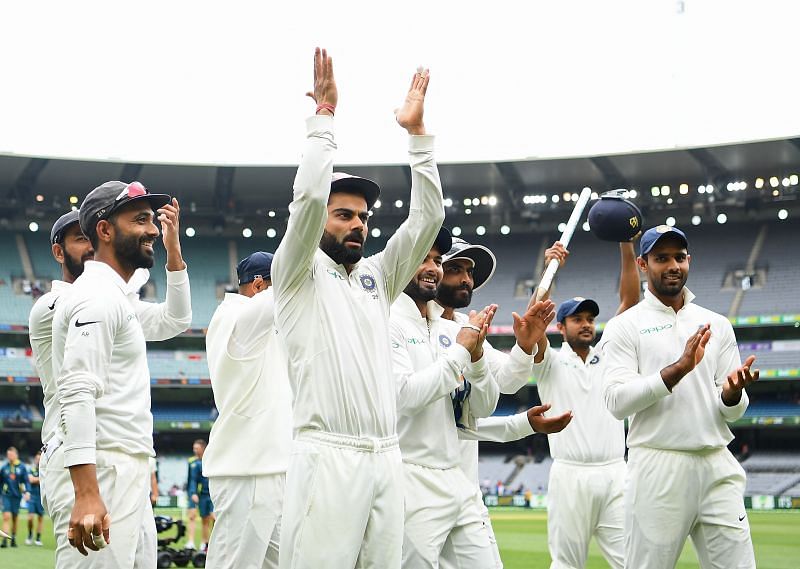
(494, 468)
(772, 473)
(534, 476)
(173, 412)
(781, 256)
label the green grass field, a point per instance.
(522, 535)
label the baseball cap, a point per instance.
(61, 224)
(483, 260)
(577, 304)
(655, 234)
(344, 182)
(107, 198)
(613, 218)
(258, 264)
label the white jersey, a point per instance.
(251, 389)
(40, 329)
(642, 341)
(512, 372)
(336, 325)
(427, 363)
(567, 382)
(100, 363)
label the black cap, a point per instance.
(482, 258)
(613, 218)
(577, 304)
(258, 264)
(443, 241)
(104, 200)
(347, 183)
(61, 225)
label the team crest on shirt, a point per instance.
(445, 341)
(369, 284)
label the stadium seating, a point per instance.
(772, 473)
(534, 476)
(173, 412)
(495, 468)
(781, 256)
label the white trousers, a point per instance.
(671, 495)
(448, 559)
(585, 500)
(124, 482)
(343, 506)
(248, 527)
(441, 508)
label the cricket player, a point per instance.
(14, 485)
(35, 508)
(466, 268)
(199, 496)
(584, 497)
(97, 482)
(252, 392)
(442, 380)
(674, 369)
(332, 310)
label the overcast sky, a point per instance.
(223, 82)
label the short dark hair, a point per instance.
(199, 442)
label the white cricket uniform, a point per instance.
(682, 480)
(345, 457)
(103, 403)
(512, 372)
(249, 445)
(439, 506)
(584, 496)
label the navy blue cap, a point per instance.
(258, 264)
(61, 224)
(655, 234)
(614, 218)
(347, 183)
(577, 304)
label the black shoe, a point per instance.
(13, 542)
(4, 544)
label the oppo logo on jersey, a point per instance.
(655, 329)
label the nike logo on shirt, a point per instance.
(741, 518)
(78, 323)
(52, 306)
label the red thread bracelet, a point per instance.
(326, 107)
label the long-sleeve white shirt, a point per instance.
(594, 436)
(100, 363)
(336, 325)
(512, 372)
(428, 363)
(251, 388)
(40, 329)
(642, 341)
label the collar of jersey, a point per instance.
(567, 350)
(651, 300)
(405, 306)
(57, 285)
(322, 256)
(100, 269)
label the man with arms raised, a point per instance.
(103, 381)
(332, 310)
(584, 496)
(251, 389)
(674, 368)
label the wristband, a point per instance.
(326, 107)
(472, 327)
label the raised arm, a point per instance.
(164, 320)
(484, 393)
(413, 239)
(629, 287)
(312, 184)
(733, 376)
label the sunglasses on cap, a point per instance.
(132, 190)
